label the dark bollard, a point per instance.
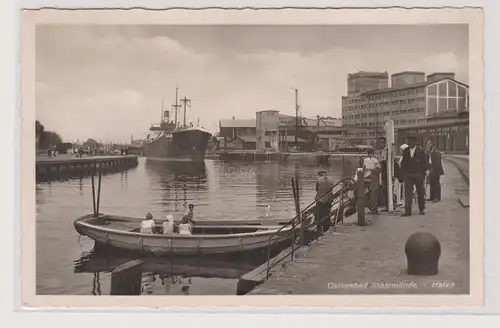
(422, 253)
(126, 279)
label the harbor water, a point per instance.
(219, 190)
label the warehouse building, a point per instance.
(413, 100)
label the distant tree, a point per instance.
(45, 138)
(50, 138)
(39, 131)
(90, 143)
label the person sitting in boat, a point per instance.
(185, 227)
(168, 225)
(148, 225)
(190, 214)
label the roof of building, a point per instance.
(408, 72)
(245, 123)
(441, 73)
(412, 86)
(268, 111)
(367, 74)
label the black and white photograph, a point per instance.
(238, 158)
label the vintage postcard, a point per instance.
(283, 157)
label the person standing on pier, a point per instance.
(435, 172)
(324, 199)
(413, 169)
(372, 169)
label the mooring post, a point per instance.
(93, 192)
(126, 279)
(422, 253)
(99, 191)
(360, 193)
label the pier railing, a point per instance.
(302, 218)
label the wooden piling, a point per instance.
(360, 193)
(99, 192)
(126, 279)
(93, 194)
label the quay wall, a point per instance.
(48, 169)
(310, 158)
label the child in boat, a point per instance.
(168, 225)
(185, 227)
(148, 225)
(190, 213)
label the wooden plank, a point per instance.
(251, 279)
(464, 200)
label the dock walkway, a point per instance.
(371, 259)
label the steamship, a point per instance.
(169, 141)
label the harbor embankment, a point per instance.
(63, 166)
(322, 158)
(371, 259)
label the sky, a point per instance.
(107, 82)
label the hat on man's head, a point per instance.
(322, 171)
(403, 146)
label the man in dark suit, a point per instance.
(435, 172)
(413, 168)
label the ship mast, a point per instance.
(297, 117)
(186, 102)
(176, 106)
(162, 113)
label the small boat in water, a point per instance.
(206, 238)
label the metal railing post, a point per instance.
(293, 238)
(302, 229)
(360, 192)
(268, 257)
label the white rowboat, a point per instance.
(123, 233)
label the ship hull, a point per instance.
(187, 145)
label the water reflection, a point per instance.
(172, 275)
(179, 181)
(179, 170)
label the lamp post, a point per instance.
(389, 137)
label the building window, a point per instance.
(449, 96)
